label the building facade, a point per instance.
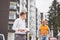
(16, 6)
(4, 12)
(32, 18)
(14, 9)
(13, 12)
(29, 7)
(23, 5)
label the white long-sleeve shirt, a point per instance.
(19, 24)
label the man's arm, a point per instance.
(39, 31)
(48, 30)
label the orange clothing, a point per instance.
(43, 30)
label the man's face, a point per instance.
(24, 16)
(43, 23)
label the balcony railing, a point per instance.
(18, 5)
(12, 15)
(12, 7)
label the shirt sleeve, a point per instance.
(15, 25)
(39, 28)
(39, 31)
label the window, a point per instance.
(13, 5)
(12, 15)
(32, 4)
(10, 26)
(32, 9)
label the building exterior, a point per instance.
(16, 6)
(33, 16)
(23, 5)
(4, 10)
(32, 19)
(29, 7)
(13, 12)
(14, 9)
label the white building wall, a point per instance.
(23, 5)
(31, 16)
(20, 5)
(38, 22)
(33, 19)
(11, 36)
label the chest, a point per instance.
(44, 28)
(21, 24)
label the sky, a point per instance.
(43, 5)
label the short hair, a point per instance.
(43, 20)
(22, 13)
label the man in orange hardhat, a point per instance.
(43, 30)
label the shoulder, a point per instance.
(40, 25)
(47, 26)
(17, 19)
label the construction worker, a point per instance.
(43, 30)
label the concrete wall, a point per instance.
(4, 13)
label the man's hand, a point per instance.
(20, 30)
(27, 30)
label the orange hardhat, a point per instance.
(43, 20)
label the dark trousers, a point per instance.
(20, 37)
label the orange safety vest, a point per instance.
(43, 30)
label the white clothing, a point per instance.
(19, 24)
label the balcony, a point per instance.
(32, 4)
(24, 9)
(32, 9)
(24, 2)
(12, 15)
(17, 12)
(10, 24)
(18, 5)
(13, 6)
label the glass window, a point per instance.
(12, 15)
(13, 5)
(10, 26)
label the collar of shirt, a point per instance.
(21, 19)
